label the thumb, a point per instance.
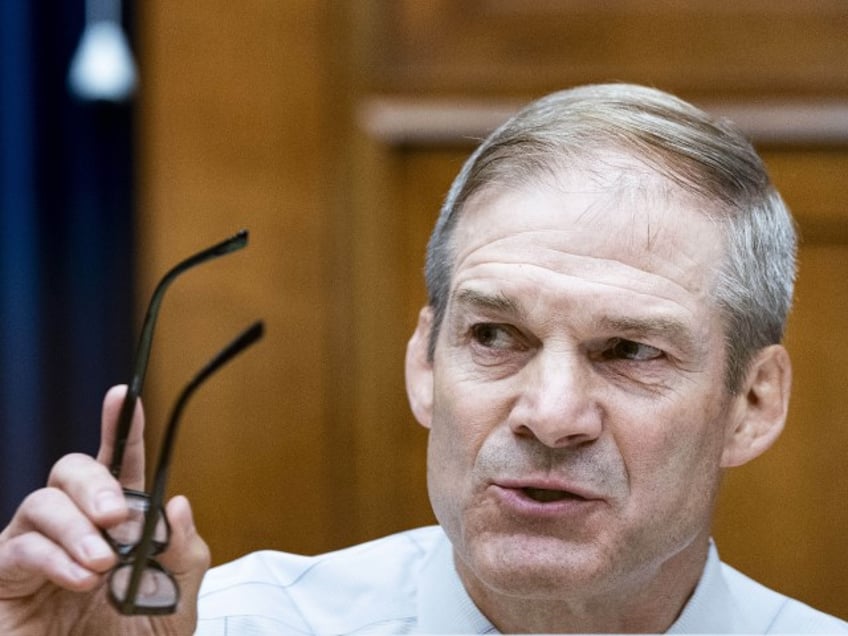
(187, 556)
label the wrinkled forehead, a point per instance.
(613, 208)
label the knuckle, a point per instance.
(36, 516)
(24, 553)
(28, 547)
(50, 512)
(43, 499)
(68, 466)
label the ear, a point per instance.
(760, 408)
(419, 370)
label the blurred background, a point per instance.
(331, 130)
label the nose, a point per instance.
(556, 404)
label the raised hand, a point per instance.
(54, 560)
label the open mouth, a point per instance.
(543, 495)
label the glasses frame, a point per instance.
(140, 554)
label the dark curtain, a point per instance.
(66, 214)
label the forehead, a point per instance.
(618, 225)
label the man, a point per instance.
(608, 282)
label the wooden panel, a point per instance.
(783, 517)
(405, 120)
(389, 466)
(694, 48)
(232, 133)
(813, 185)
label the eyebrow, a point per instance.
(664, 327)
(669, 329)
(491, 302)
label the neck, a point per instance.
(649, 603)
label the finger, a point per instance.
(52, 514)
(91, 487)
(187, 556)
(27, 560)
(132, 470)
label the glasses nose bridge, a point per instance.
(558, 404)
(126, 536)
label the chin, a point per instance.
(536, 566)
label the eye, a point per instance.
(493, 336)
(621, 349)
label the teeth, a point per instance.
(543, 495)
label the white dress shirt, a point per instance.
(406, 584)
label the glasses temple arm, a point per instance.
(239, 344)
(142, 353)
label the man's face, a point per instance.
(578, 413)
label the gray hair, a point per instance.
(706, 157)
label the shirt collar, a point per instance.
(709, 609)
(444, 606)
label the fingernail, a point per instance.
(108, 502)
(95, 548)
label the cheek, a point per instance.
(454, 437)
(462, 421)
(445, 469)
(464, 414)
(675, 465)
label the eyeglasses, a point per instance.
(139, 584)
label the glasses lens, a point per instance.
(157, 590)
(125, 536)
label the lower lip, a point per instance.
(516, 502)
